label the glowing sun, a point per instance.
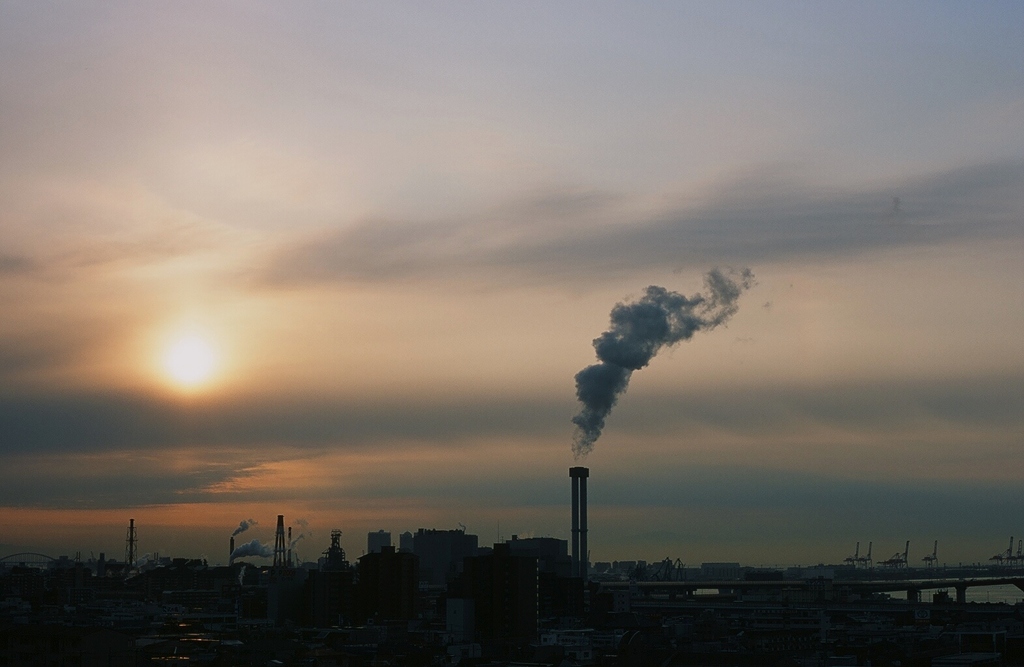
(190, 361)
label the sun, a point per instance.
(190, 361)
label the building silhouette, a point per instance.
(330, 591)
(376, 540)
(504, 594)
(441, 553)
(388, 581)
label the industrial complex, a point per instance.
(441, 598)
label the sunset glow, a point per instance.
(190, 361)
(344, 262)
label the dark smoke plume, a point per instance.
(638, 331)
(254, 548)
(245, 525)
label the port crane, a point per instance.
(1006, 556)
(932, 558)
(866, 560)
(855, 558)
(669, 570)
(1015, 558)
(898, 559)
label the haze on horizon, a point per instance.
(341, 261)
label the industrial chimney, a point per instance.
(279, 544)
(580, 562)
(131, 545)
(231, 550)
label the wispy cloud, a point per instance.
(765, 214)
(15, 264)
(125, 421)
(115, 421)
(39, 347)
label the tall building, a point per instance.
(387, 586)
(330, 598)
(559, 594)
(503, 588)
(376, 541)
(552, 554)
(405, 542)
(441, 553)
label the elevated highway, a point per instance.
(911, 587)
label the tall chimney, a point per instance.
(575, 567)
(232, 547)
(289, 546)
(584, 551)
(579, 475)
(131, 545)
(279, 545)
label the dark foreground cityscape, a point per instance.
(440, 598)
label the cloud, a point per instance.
(739, 506)
(28, 353)
(987, 403)
(111, 480)
(15, 264)
(40, 348)
(763, 215)
(118, 421)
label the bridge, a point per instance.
(28, 558)
(911, 587)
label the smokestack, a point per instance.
(131, 545)
(575, 522)
(584, 551)
(289, 546)
(580, 564)
(279, 543)
(232, 550)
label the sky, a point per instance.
(388, 234)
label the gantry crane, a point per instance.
(855, 558)
(932, 559)
(1005, 556)
(898, 559)
(866, 560)
(669, 570)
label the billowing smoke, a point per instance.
(638, 331)
(243, 526)
(254, 548)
